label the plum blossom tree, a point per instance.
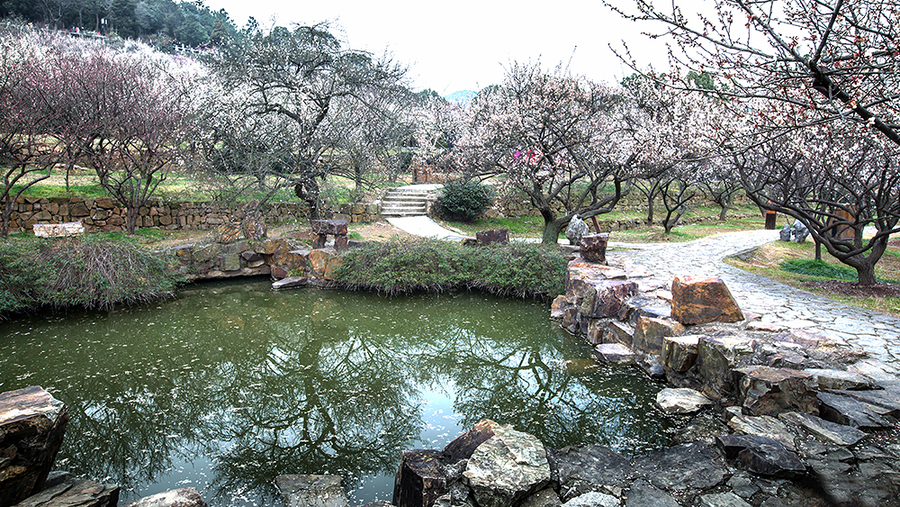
(437, 126)
(298, 76)
(836, 182)
(809, 72)
(791, 63)
(128, 113)
(556, 138)
(27, 154)
(672, 139)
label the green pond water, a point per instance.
(231, 384)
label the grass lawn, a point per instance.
(790, 263)
(533, 227)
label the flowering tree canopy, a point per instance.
(793, 63)
(298, 76)
(557, 139)
(27, 155)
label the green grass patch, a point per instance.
(402, 266)
(820, 269)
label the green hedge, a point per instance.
(404, 266)
(83, 271)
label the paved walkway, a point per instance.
(425, 227)
(875, 332)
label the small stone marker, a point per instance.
(337, 228)
(58, 230)
(492, 237)
(593, 247)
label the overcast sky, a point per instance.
(467, 44)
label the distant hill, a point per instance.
(462, 97)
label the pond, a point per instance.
(231, 384)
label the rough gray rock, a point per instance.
(681, 401)
(764, 426)
(507, 468)
(593, 499)
(697, 465)
(311, 491)
(575, 230)
(75, 493)
(846, 410)
(644, 494)
(582, 469)
(32, 424)
(543, 498)
(762, 455)
(833, 432)
(727, 499)
(183, 497)
(765, 390)
(830, 378)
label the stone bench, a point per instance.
(337, 228)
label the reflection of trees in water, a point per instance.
(311, 382)
(523, 382)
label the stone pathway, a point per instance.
(875, 332)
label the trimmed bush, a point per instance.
(83, 271)
(403, 266)
(465, 200)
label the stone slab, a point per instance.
(826, 430)
(681, 401)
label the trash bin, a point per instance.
(770, 220)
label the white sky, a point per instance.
(467, 44)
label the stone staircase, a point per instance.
(410, 201)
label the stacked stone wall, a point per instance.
(104, 214)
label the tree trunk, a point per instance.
(726, 205)
(650, 210)
(131, 215)
(552, 227)
(7, 214)
(866, 273)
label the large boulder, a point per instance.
(604, 298)
(32, 424)
(680, 352)
(717, 356)
(506, 468)
(699, 300)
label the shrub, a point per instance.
(465, 200)
(404, 266)
(84, 271)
